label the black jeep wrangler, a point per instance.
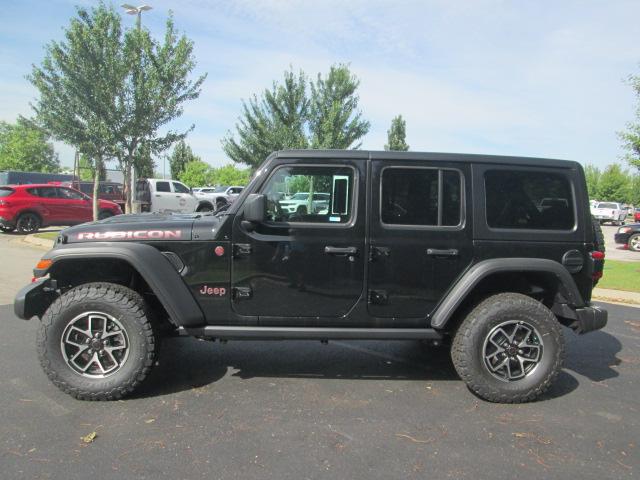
(489, 255)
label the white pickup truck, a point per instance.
(609, 212)
(155, 195)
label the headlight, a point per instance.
(624, 229)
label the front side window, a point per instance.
(310, 194)
(421, 196)
(526, 200)
(69, 194)
(180, 188)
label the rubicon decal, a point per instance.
(136, 234)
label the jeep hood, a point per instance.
(142, 228)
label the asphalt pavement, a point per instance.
(303, 410)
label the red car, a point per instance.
(29, 207)
(636, 216)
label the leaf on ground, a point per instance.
(89, 438)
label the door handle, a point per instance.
(437, 252)
(341, 250)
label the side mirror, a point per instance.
(255, 208)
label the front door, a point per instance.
(420, 237)
(310, 264)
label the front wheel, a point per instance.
(509, 349)
(97, 341)
(634, 242)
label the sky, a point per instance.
(541, 78)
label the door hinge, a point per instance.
(241, 293)
(241, 249)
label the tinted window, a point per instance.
(86, 188)
(529, 200)
(67, 193)
(331, 202)
(43, 192)
(421, 196)
(180, 188)
(5, 192)
(163, 187)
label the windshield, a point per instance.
(220, 190)
(300, 196)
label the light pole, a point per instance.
(131, 10)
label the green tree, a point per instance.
(143, 163)
(592, 175)
(25, 147)
(634, 190)
(631, 138)
(230, 175)
(335, 121)
(79, 81)
(155, 88)
(397, 135)
(614, 184)
(287, 116)
(274, 122)
(107, 91)
(180, 158)
(196, 173)
(87, 169)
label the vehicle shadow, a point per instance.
(186, 363)
(593, 356)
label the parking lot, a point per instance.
(306, 410)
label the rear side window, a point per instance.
(43, 192)
(5, 192)
(421, 196)
(163, 187)
(526, 200)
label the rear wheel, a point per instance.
(509, 349)
(97, 341)
(28, 223)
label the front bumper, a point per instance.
(6, 222)
(34, 299)
(621, 238)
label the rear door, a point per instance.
(421, 239)
(303, 269)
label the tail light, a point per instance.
(597, 263)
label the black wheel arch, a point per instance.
(138, 266)
(542, 279)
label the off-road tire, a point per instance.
(128, 335)
(488, 325)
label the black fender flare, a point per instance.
(476, 274)
(150, 263)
